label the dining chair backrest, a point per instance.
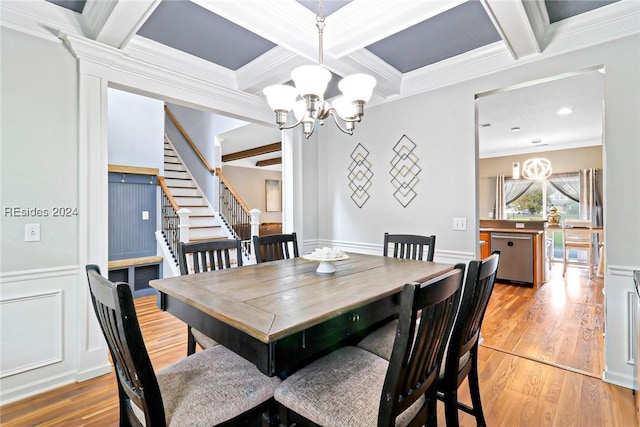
(479, 284)
(410, 246)
(209, 255)
(577, 231)
(273, 247)
(461, 357)
(137, 382)
(427, 311)
(198, 257)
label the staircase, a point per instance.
(203, 223)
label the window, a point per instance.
(533, 199)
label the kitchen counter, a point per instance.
(511, 230)
(535, 250)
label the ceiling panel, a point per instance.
(456, 31)
(185, 26)
(563, 9)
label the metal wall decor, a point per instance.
(360, 175)
(404, 171)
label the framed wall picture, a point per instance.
(273, 195)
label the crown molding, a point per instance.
(613, 22)
(477, 63)
(162, 56)
(124, 68)
(616, 21)
(40, 19)
(273, 67)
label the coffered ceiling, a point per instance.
(409, 46)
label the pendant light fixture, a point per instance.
(310, 83)
(515, 166)
(537, 169)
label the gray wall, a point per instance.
(136, 130)
(38, 152)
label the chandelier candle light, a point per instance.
(310, 83)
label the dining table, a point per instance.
(283, 314)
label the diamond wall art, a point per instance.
(360, 175)
(404, 171)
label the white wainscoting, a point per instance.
(38, 318)
(443, 256)
(619, 326)
(42, 328)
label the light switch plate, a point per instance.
(32, 232)
(460, 223)
(145, 215)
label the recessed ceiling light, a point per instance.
(536, 141)
(564, 111)
(515, 129)
(485, 125)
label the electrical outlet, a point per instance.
(32, 232)
(145, 215)
(460, 223)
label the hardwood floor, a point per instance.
(516, 390)
(560, 323)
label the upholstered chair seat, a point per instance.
(202, 340)
(210, 387)
(350, 396)
(380, 341)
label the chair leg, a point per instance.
(191, 342)
(450, 400)
(474, 390)
(432, 408)
(564, 261)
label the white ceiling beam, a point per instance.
(364, 22)
(539, 18)
(115, 22)
(513, 25)
(293, 28)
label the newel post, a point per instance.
(255, 229)
(183, 214)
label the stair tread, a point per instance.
(203, 226)
(198, 239)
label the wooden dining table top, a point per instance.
(271, 300)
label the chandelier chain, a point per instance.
(320, 26)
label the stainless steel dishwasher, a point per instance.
(516, 257)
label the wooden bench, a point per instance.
(137, 272)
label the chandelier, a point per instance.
(536, 169)
(310, 83)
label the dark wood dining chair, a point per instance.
(198, 257)
(461, 357)
(211, 387)
(410, 246)
(354, 387)
(274, 247)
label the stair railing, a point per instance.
(187, 138)
(233, 209)
(170, 218)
